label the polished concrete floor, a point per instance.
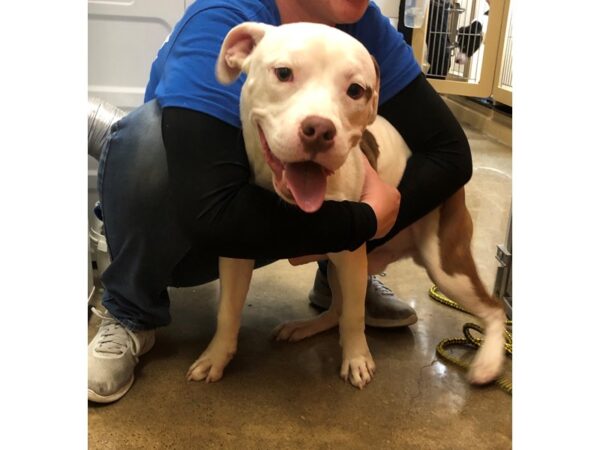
(289, 396)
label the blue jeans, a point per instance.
(149, 250)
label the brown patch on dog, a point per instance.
(455, 233)
(374, 99)
(377, 71)
(370, 147)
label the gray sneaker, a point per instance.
(112, 357)
(382, 308)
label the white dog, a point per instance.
(310, 94)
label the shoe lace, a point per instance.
(114, 337)
(379, 287)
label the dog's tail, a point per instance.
(101, 117)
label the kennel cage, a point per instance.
(465, 47)
(503, 282)
(454, 39)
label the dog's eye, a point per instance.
(355, 91)
(284, 73)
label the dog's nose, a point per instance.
(317, 133)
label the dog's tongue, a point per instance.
(307, 182)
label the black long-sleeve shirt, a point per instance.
(226, 215)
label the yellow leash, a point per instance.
(469, 340)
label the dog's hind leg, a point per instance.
(347, 276)
(296, 330)
(234, 276)
(445, 250)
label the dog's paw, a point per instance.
(294, 331)
(210, 365)
(359, 370)
(358, 366)
(487, 364)
(297, 330)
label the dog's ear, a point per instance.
(374, 100)
(237, 47)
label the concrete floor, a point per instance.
(289, 396)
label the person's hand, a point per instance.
(383, 198)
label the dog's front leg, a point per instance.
(234, 275)
(348, 282)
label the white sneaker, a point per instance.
(112, 357)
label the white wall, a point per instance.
(390, 9)
(123, 39)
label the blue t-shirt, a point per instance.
(183, 73)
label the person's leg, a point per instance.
(142, 232)
(149, 250)
(145, 245)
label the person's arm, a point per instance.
(440, 163)
(208, 167)
(441, 158)
(227, 215)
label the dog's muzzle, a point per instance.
(317, 134)
(303, 182)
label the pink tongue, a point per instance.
(307, 182)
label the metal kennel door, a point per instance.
(503, 82)
(471, 28)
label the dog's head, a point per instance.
(311, 90)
